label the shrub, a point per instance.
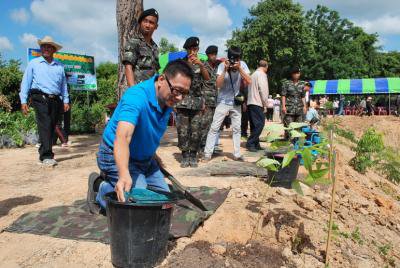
(390, 165)
(84, 118)
(14, 127)
(368, 151)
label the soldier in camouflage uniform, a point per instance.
(140, 56)
(293, 99)
(189, 111)
(210, 92)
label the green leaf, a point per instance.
(275, 128)
(323, 181)
(280, 144)
(297, 134)
(296, 125)
(296, 186)
(316, 174)
(288, 158)
(267, 162)
(273, 137)
(307, 158)
(309, 180)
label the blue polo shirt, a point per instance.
(139, 106)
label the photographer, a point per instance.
(230, 99)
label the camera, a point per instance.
(234, 54)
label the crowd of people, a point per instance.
(205, 96)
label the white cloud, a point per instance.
(20, 15)
(5, 43)
(383, 25)
(28, 40)
(245, 3)
(88, 26)
(357, 9)
(202, 16)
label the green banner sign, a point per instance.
(79, 69)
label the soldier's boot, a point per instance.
(185, 160)
(193, 159)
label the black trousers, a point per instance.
(48, 111)
(270, 113)
(257, 123)
(245, 123)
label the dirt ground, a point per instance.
(257, 226)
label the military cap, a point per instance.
(148, 12)
(295, 69)
(212, 50)
(191, 42)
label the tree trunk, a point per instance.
(128, 12)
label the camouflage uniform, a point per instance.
(210, 98)
(142, 56)
(189, 115)
(294, 104)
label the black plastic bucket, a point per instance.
(285, 176)
(138, 232)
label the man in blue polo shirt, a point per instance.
(133, 134)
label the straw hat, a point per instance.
(49, 40)
(277, 96)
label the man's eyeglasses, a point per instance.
(176, 91)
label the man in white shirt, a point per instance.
(229, 76)
(257, 100)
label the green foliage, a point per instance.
(16, 125)
(390, 165)
(276, 30)
(343, 50)
(356, 236)
(317, 170)
(325, 45)
(368, 151)
(165, 46)
(275, 131)
(88, 108)
(334, 125)
(86, 117)
(10, 80)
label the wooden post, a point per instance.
(332, 177)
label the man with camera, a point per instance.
(189, 110)
(293, 98)
(229, 77)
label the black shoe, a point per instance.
(259, 148)
(94, 207)
(193, 159)
(185, 160)
(252, 149)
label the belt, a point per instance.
(39, 92)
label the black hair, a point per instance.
(234, 52)
(178, 67)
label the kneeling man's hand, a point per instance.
(123, 185)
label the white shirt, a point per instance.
(226, 93)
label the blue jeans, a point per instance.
(144, 173)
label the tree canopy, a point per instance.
(319, 41)
(165, 46)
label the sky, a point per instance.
(89, 26)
